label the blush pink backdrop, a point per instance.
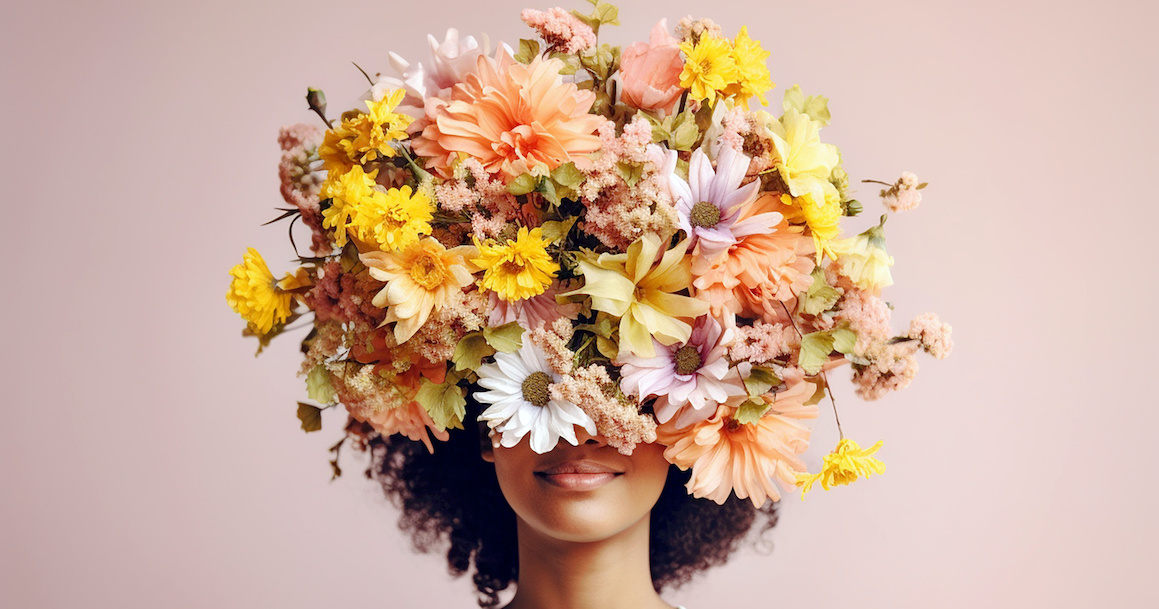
(148, 460)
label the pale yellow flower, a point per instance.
(799, 156)
(821, 214)
(641, 291)
(844, 465)
(420, 279)
(260, 299)
(864, 261)
(519, 269)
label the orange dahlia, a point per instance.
(727, 456)
(513, 118)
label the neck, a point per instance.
(611, 573)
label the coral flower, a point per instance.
(727, 456)
(760, 269)
(651, 71)
(513, 118)
(844, 465)
(519, 269)
(419, 279)
(690, 379)
(640, 290)
(260, 299)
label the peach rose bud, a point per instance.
(651, 71)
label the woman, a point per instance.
(578, 526)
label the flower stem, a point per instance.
(824, 378)
(878, 182)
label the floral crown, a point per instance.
(583, 236)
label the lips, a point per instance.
(578, 475)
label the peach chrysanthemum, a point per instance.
(419, 279)
(760, 269)
(513, 118)
(727, 456)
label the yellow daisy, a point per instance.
(709, 67)
(391, 220)
(260, 299)
(365, 136)
(753, 78)
(519, 269)
(844, 465)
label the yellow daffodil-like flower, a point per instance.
(420, 279)
(822, 216)
(641, 291)
(799, 156)
(844, 465)
(260, 299)
(864, 261)
(390, 220)
(519, 269)
(753, 78)
(709, 67)
(365, 136)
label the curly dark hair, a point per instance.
(453, 497)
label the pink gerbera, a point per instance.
(711, 205)
(689, 379)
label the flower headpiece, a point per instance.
(579, 236)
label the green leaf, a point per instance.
(630, 173)
(844, 339)
(815, 350)
(607, 347)
(760, 381)
(318, 386)
(818, 395)
(751, 411)
(310, 416)
(470, 351)
(820, 296)
(445, 403)
(568, 175)
(507, 338)
(816, 106)
(922, 185)
(522, 184)
(528, 50)
(554, 230)
(685, 136)
(571, 63)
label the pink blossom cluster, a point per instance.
(892, 367)
(933, 334)
(299, 182)
(764, 342)
(344, 297)
(561, 30)
(486, 203)
(904, 194)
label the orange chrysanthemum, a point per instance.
(760, 269)
(513, 118)
(727, 456)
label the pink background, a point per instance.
(148, 460)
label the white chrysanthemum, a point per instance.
(521, 403)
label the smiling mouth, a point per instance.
(578, 475)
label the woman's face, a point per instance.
(580, 493)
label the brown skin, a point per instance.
(582, 548)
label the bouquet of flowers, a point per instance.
(572, 234)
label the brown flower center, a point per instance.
(535, 388)
(687, 359)
(512, 267)
(704, 215)
(428, 271)
(731, 425)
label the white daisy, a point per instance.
(521, 403)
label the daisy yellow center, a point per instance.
(428, 271)
(687, 360)
(535, 388)
(704, 215)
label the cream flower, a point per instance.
(864, 261)
(641, 291)
(520, 401)
(419, 279)
(802, 160)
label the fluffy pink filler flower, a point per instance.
(562, 32)
(933, 335)
(903, 195)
